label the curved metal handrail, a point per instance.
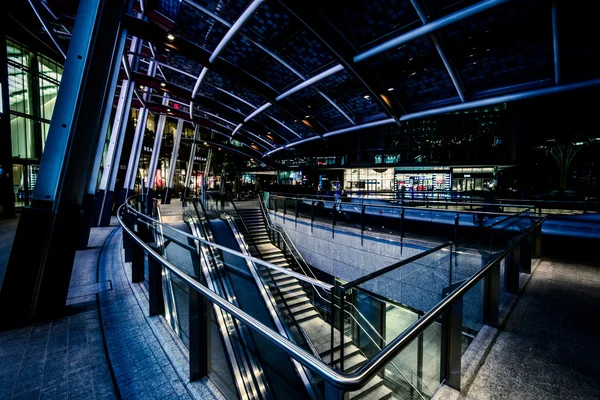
(291, 244)
(340, 380)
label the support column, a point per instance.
(89, 200)
(188, 176)
(105, 194)
(155, 159)
(451, 345)
(41, 261)
(173, 164)
(136, 148)
(7, 196)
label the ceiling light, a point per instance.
(206, 144)
(163, 84)
(171, 37)
(168, 110)
(307, 116)
(366, 96)
(390, 89)
(142, 87)
(219, 149)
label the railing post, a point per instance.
(511, 270)
(451, 345)
(341, 328)
(297, 208)
(491, 296)
(312, 214)
(129, 220)
(537, 242)
(402, 223)
(362, 224)
(332, 319)
(456, 219)
(199, 320)
(275, 206)
(284, 209)
(333, 393)
(333, 215)
(155, 296)
(137, 263)
(525, 253)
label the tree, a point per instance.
(563, 154)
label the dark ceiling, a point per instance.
(506, 49)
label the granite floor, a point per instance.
(550, 347)
(63, 358)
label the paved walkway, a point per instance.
(8, 227)
(63, 358)
(550, 347)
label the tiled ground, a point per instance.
(63, 358)
(550, 348)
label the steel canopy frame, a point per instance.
(557, 89)
(430, 27)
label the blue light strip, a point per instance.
(555, 42)
(503, 99)
(310, 81)
(430, 27)
(234, 28)
(257, 111)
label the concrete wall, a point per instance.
(418, 285)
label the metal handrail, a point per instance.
(267, 264)
(360, 377)
(410, 207)
(291, 244)
(392, 267)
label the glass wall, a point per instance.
(369, 179)
(33, 81)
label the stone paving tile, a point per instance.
(63, 358)
(550, 347)
(141, 367)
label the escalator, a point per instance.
(261, 371)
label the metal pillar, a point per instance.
(555, 42)
(155, 294)
(491, 296)
(199, 323)
(511, 270)
(40, 265)
(138, 140)
(190, 169)
(173, 163)
(451, 345)
(106, 188)
(155, 159)
(7, 196)
(89, 202)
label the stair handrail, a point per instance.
(289, 316)
(290, 244)
(336, 380)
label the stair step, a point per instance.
(349, 350)
(381, 392)
(372, 385)
(294, 301)
(307, 315)
(353, 362)
(301, 308)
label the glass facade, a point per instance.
(33, 81)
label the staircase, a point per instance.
(290, 295)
